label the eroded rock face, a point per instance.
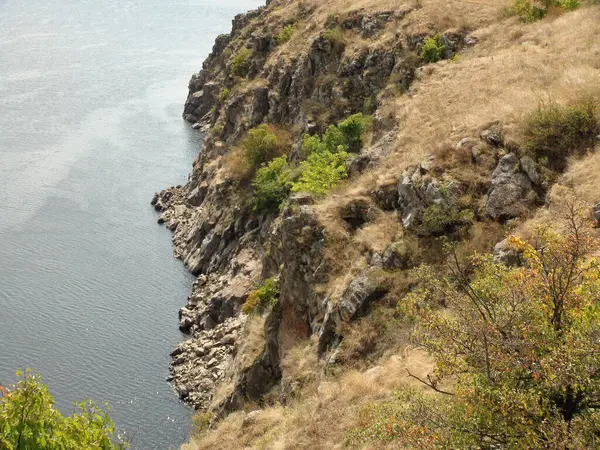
(362, 291)
(512, 191)
(227, 245)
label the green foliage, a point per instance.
(555, 132)
(223, 95)
(30, 421)
(527, 11)
(241, 62)
(516, 354)
(267, 294)
(432, 49)
(531, 11)
(320, 172)
(262, 144)
(272, 184)
(325, 165)
(334, 35)
(569, 5)
(353, 128)
(286, 34)
(217, 130)
(444, 218)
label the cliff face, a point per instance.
(442, 158)
(216, 233)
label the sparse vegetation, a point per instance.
(29, 420)
(285, 34)
(554, 132)
(531, 10)
(240, 65)
(216, 131)
(444, 217)
(272, 184)
(432, 49)
(334, 35)
(265, 295)
(223, 95)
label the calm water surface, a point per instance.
(90, 100)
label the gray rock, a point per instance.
(410, 204)
(509, 195)
(397, 256)
(506, 255)
(360, 293)
(494, 135)
(530, 167)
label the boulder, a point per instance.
(506, 255)
(509, 195)
(397, 256)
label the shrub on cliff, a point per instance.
(518, 347)
(272, 184)
(432, 49)
(264, 143)
(286, 34)
(240, 65)
(554, 131)
(267, 294)
(531, 11)
(325, 165)
(224, 95)
(29, 420)
(320, 172)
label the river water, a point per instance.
(91, 95)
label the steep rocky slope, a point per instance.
(443, 156)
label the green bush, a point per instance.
(262, 144)
(29, 420)
(569, 5)
(321, 172)
(334, 35)
(224, 94)
(554, 132)
(286, 34)
(272, 184)
(432, 49)
(241, 62)
(353, 128)
(531, 11)
(267, 294)
(440, 219)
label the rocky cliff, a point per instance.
(441, 158)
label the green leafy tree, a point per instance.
(272, 184)
(320, 172)
(262, 144)
(29, 420)
(517, 353)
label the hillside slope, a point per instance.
(293, 319)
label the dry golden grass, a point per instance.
(321, 417)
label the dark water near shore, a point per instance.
(90, 101)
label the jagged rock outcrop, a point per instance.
(230, 247)
(512, 192)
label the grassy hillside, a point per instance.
(514, 107)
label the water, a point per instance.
(90, 100)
